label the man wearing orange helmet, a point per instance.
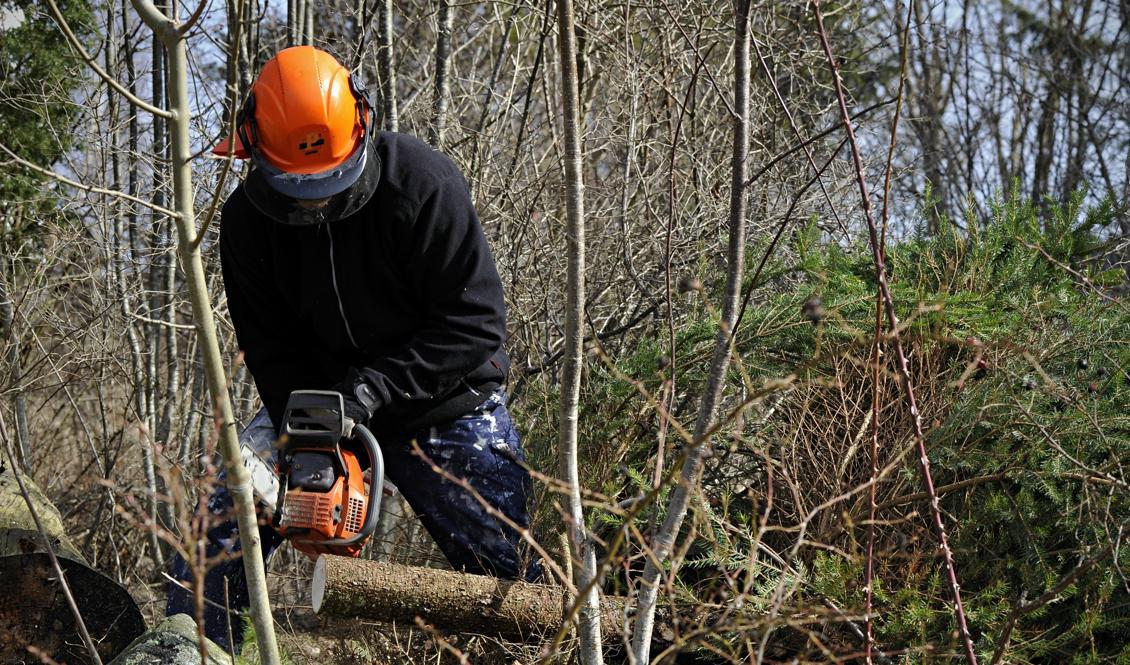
(354, 260)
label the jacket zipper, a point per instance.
(337, 291)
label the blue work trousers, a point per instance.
(482, 447)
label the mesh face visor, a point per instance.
(262, 189)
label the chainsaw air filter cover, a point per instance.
(312, 471)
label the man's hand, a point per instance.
(360, 399)
(354, 411)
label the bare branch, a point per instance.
(877, 254)
(93, 64)
(86, 188)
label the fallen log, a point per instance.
(387, 592)
(33, 611)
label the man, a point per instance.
(354, 260)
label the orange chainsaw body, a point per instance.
(325, 504)
(310, 516)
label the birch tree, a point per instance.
(580, 542)
(691, 472)
(238, 480)
(386, 67)
(443, 72)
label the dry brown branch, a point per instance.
(877, 253)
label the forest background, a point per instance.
(988, 174)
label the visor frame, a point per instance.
(313, 186)
(285, 209)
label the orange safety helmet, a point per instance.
(305, 125)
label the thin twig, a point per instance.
(442, 641)
(772, 247)
(233, 114)
(943, 489)
(796, 132)
(1050, 595)
(158, 322)
(776, 159)
(87, 188)
(699, 56)
(1074, 273)
(227, 615)
(869, 564)
(187, 25)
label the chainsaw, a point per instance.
(326, 504)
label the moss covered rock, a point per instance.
(172, 642)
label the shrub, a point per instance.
(1020, 361)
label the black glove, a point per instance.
(361, 401)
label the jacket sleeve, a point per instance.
(274, 347)
(465, 320)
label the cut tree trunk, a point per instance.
(450, 601)
(33, 611)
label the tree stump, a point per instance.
(33, 609)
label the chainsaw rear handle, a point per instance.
(376, 489)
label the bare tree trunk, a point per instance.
(134, 241)
(1045, 148)
(931, 102)
(478, 164)
(443, 72)
(248, 45)
(153, 331)
(164, 273)
(118, 254)
(387, 65)
(188, 247)
(307, 23)
(188, 431)
(301, 7)
(579, 539)
(15, 368)
(294, 22)
(691, 471)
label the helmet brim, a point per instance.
(310, 186)
(231, 147)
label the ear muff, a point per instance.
(245, 125)
(365, 112)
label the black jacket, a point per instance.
(420, 314)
